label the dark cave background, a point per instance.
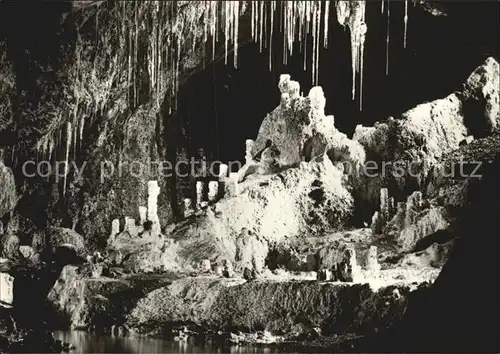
(222, 106)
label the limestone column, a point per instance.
(6, 289)
(199, 193)
(249, 147)
(213, 190)
(153, 192)
(223, 169)
(131, 227)
(372, 260)
(187, 207)
(115, 229)
(233, 180)
(143, 214)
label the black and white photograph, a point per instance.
(249, 176)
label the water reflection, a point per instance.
(93, 343)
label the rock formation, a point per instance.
(8, 195)
(104, 101)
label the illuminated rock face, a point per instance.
(6, 289)
(213, 191)
(143, 214)
(153, 192)
(188, 207)
(7, 190)
(200, 186)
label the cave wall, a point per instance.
(89, 94)
(85, 101)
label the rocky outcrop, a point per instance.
(401, 151)
(81, 301)
(300, 130)
(436, 255)
(313, 195)
(456, 174)
(481, 93)
(405, 151)
(98, 304)
(251, 252)
(48, 242)
(7, 88)
(410, 221)
(433, 314)
(8, 195)
(277, 307)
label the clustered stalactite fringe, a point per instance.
(165, 27)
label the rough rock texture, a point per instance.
(52, 238)
(460, 322)
(456, 174)
(341, 261)
(274, 306)
(99, 303)
(251, 252)
(482, 90)
(436, 255)
(9, 246)
(415, 144)
(7, 88)
(412, 221)
(409, 146)
(300, 130)
(313, 194)
(83, 299)
(122, 171)
(93, 98)
(8, 196)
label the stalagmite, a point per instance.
(223, 170)
(6, 289)
(143, 214)
(233, 179)
(317, 98)
(131, 227)
(372, 264)
(249, 143)
(153, 192)
(188, 207)
(115, 229)
(205, 266)
(384, 203)
(213, 190)
(199, 193)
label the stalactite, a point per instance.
(388, 37)
(226, 29)
(261, 24)
(69, 131)
(406, 22)
(300, 21)
(236, 14)
(273, 10)
(325, 23)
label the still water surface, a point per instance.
(93, 343)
